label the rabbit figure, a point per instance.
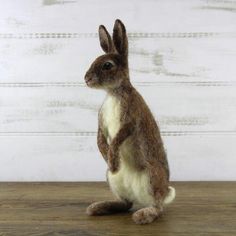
(128, 136)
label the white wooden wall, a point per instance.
(182, 60)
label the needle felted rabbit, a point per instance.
(128, 136)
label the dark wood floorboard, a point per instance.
(30, 209)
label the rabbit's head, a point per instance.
(110, 70)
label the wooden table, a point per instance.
(201, 208)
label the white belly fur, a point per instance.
(128, 183)
(131, 184)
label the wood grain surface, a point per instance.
(201, 208)
(182, 60)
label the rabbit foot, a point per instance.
(108, 207)
(146, 215)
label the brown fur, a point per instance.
(108, 207)
(137, 121)
(146, 215)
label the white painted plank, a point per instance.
(182, 56)
(75, 158)
(141, 16)
(38, 158)
(74, 109)
(202, 157)
(151, 60)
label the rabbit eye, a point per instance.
(107, 66)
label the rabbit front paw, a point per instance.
(113, 161)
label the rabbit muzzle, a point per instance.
(91, 80)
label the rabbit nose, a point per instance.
(88, 77)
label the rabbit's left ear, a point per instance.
(120, 38)
(105, 39)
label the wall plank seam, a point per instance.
(157, 83)
(85, 133)
(130, 35)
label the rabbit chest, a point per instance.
(111, 117)
(129, 182)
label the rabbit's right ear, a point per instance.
(105, 39)
(120, 38)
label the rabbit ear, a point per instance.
(120, 38)
(105, 39)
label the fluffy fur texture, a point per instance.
(146, 215)
(128, 136)
(108, 207)
(111, 116)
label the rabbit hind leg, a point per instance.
(146, 215)
(108, 207)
